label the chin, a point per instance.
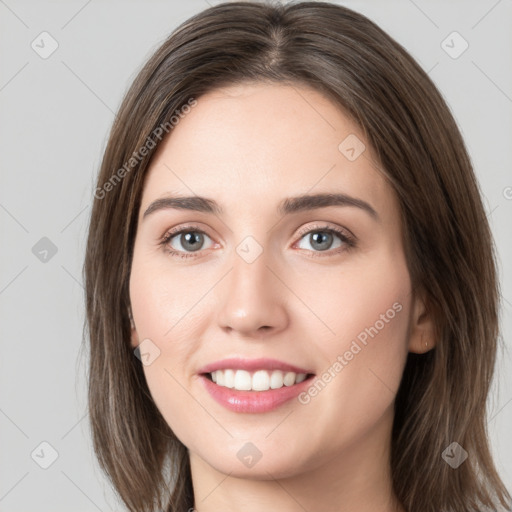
(244, 460)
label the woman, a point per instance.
(290, 279)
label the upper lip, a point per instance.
(239, 363)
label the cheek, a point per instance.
(171, 398)
(164, 317)
(364, 359)
(164, 314)
(356, 300)
(164, 302)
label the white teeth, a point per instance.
(300, 377)
(289, 379)
(243, 380)
(261, 380)
(229, 378)
(276, 379)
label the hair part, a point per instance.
(447, 240)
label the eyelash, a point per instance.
(348, 240)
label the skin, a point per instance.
(248, 147)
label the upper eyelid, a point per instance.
(325, 226)
(317, 227)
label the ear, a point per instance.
(134, 341)
(134, 338)
(421, 332)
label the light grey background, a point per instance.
(55, 115)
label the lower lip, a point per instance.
(253, 401)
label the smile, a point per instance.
(254, 385)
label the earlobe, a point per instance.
(134, 339)
(421, 337)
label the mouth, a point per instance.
(260, 380)
(254, 386)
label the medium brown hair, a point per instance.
(447, 240)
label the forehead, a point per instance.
(261, 142)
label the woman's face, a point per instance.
(260, 286)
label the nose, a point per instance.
(252, 298)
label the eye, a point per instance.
(187, 240)
(321, 239)
(184, 242)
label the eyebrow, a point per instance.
(286, 206)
